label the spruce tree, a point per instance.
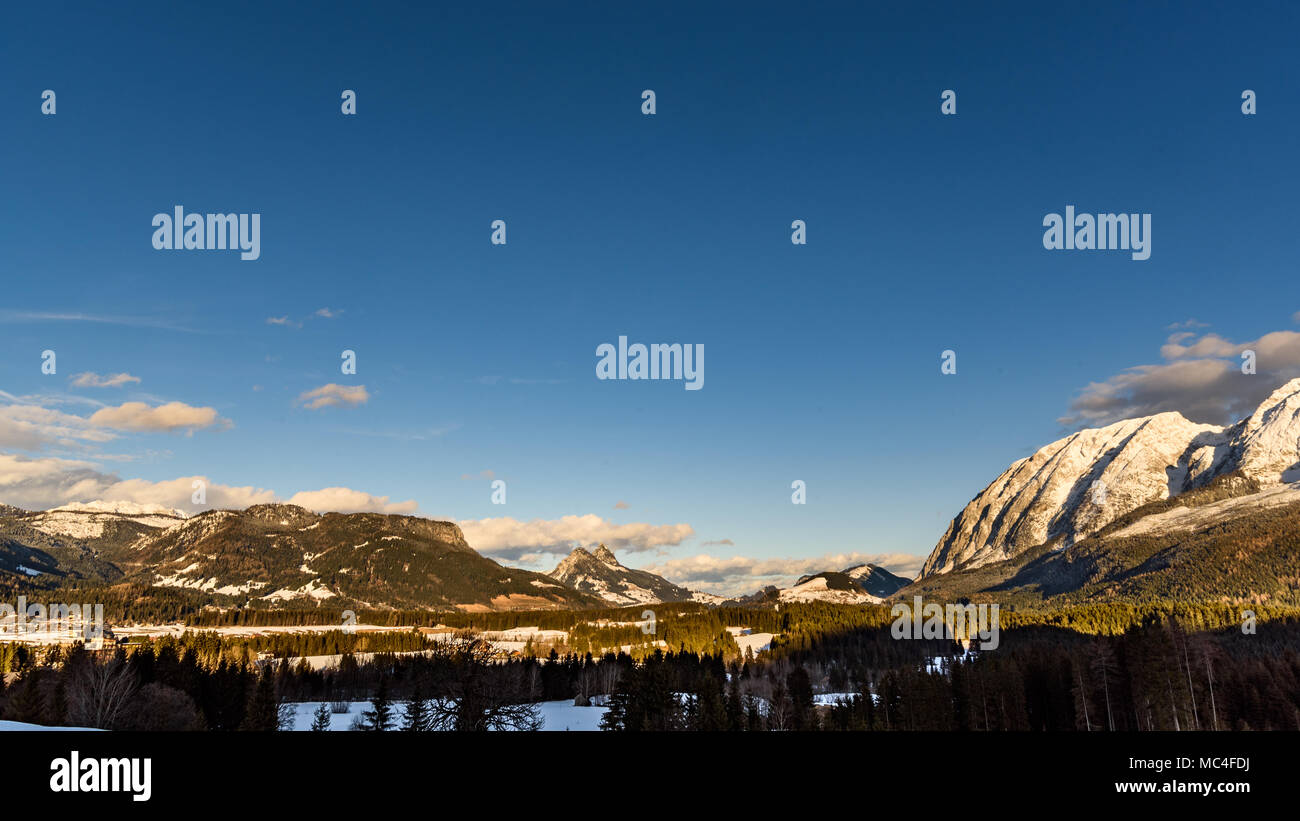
(380, 715)
(416, 718)
(320, 721)
(263, 711)
(27, 705)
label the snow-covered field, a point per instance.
(755, 642)
(18, 726)
(556, 715)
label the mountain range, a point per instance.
(273, 555)
(1155, 507)
(283, 556)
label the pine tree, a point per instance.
(263, 712)
(320, 721)
(26, 705)
(380, 715)
(416, 718)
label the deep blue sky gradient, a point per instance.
(821, 361)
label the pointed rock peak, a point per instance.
(605, 555)
(1277, 397)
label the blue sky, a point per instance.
(822, 361)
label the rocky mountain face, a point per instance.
(599, 573)
(274, 556)
(1210, 546)
(1078, 485)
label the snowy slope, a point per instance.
(1074, 486)
(88, 520)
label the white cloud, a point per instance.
(33, 427)
(94, 380)
(741, 575)
(329, 395)
(346, 500)
(321, 313)
(510, 538)
(1200, 378)
(45, 482)
(172, 416)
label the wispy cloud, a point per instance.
(740, 574)
(510, 538)
(320, 313)
(331, 395)
(94, 380)
(129, 321)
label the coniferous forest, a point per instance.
(834, 674)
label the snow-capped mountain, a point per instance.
(859, 584)
(875, 579)
(1077, 485)
(599, 573)
(271, 555)
(280, 553)
(88, 520)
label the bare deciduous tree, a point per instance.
(100, 693)
(483, 695)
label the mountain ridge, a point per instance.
(1075, 486)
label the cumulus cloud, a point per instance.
(510, 538)
(329, 395)
(94, 380)
(1200, 378)
(44, 482)
(740, 575)
(346, 500)
(172, 416)
(34, 427)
